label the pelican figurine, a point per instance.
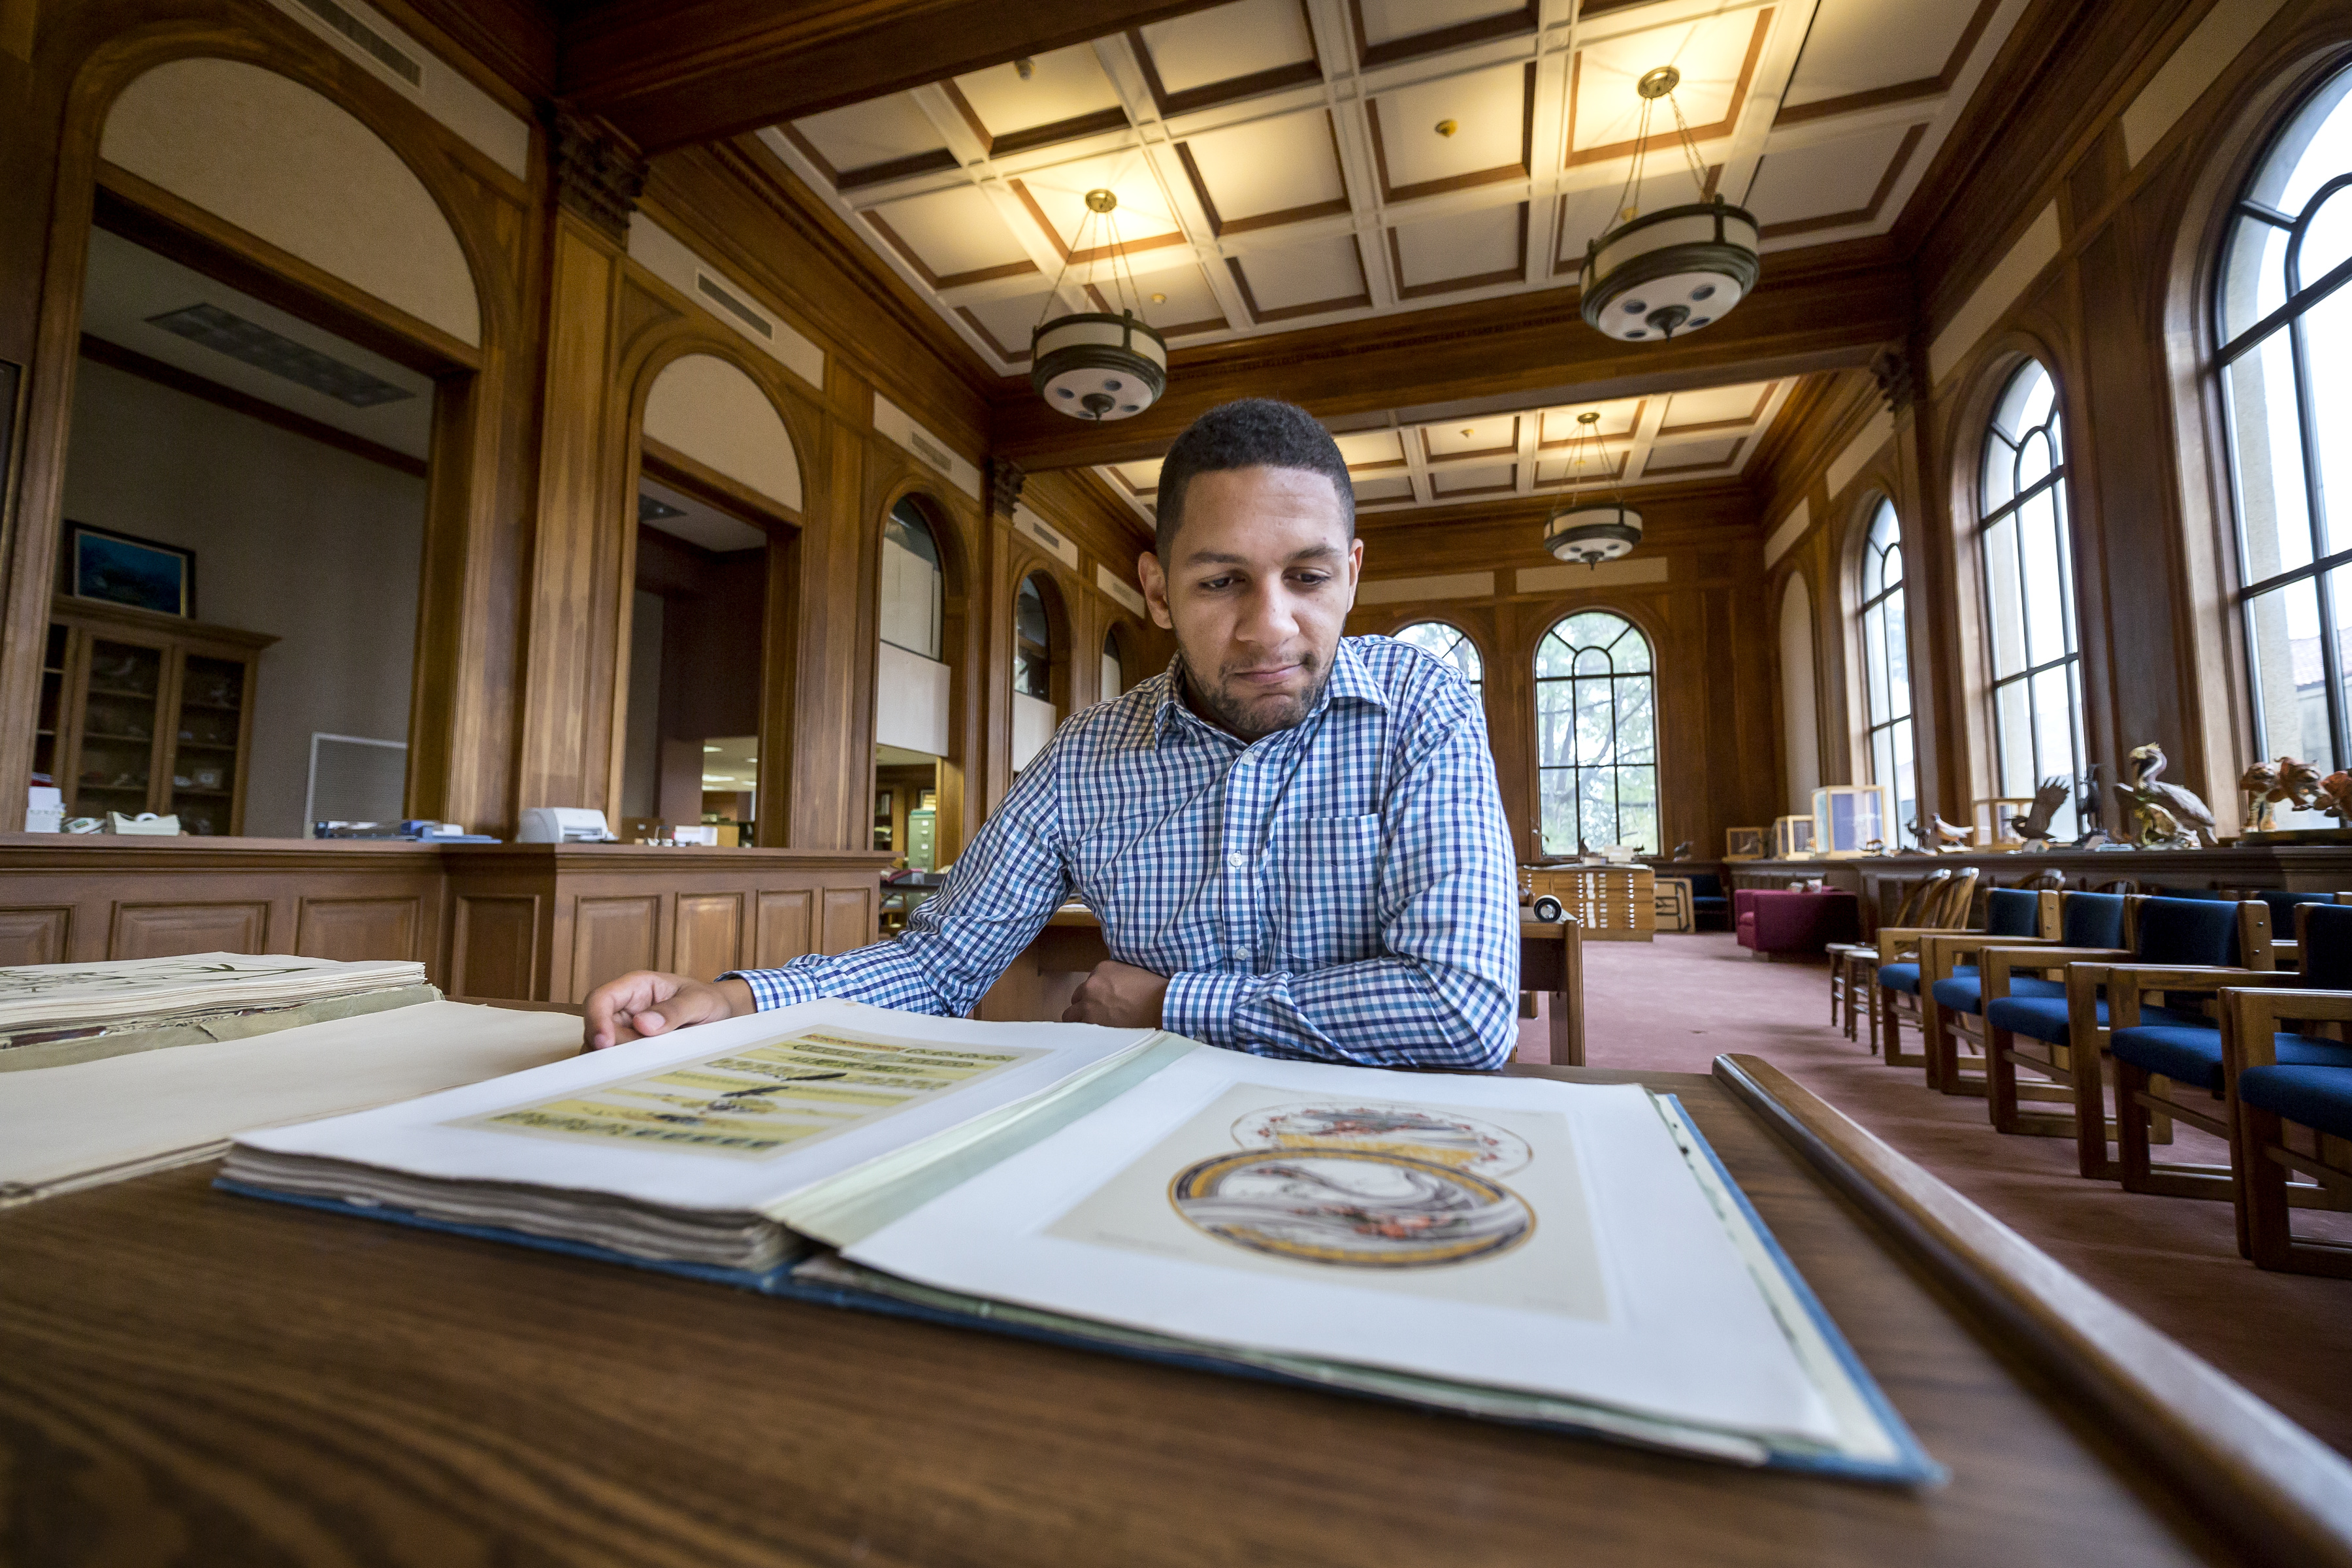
(2146, 788)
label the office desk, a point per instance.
(1038, 983)
(191, 1377)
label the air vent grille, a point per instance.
(929, 453)
(739, 309)
(255, 344)
(374, 44)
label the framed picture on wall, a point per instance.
(124, 569)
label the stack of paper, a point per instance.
(1560, 1255)
(54, 1012)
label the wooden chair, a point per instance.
(1897, 955)
(1905, 988)
(2065, 1040)
(2179, 1071)
(1951, 982)
(2288, 1116)
(1853, 962)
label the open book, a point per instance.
(55, 1012)
(1560, 1255)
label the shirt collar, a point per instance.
(1349, 682)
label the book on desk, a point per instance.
(1565, 1255)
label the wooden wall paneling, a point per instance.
(849, 917)
(166, 930)
(612, 936)
(35, 935)
(709, 934)
(787, 927)
(580, 538)
(349, 929)
(495, 946)
(833, 725)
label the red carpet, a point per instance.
(1677, 1003)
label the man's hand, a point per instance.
(1118, 994)
(645, 1003)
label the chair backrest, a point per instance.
(2324, 931)
(2283, 904)
(2013, 911)
(1915, 897)
(2198, 931)
(1950, 912)
(2092, 919)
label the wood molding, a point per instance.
(133, 362)
(700, 480)
(2258, 1476)
(668, 74)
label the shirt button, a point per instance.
(1236, 860)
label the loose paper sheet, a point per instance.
(1300, 1208)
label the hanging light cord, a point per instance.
(1130, 293)
(1626, 209)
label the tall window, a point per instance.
(2283, 318)
(2028, 577)
(1114, 667)
(1596, 734)
(1885, 661)
(1450, 644)
(1035, 714)
(911, 582)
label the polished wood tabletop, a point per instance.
(187, 1377)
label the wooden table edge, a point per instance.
(2237, 1459)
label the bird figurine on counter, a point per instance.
(1942, 835)
(2170, 818)
(2033, 826)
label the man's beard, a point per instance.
(1233, 714)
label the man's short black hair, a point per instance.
(1253, 432)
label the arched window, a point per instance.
(2284, 319)
(2026, 548)
(1596, 734)
(912, 585)
(1114, 666)
(1885, 663)
(1036, 711)
(1451, 644)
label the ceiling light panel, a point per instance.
(1717, 57)
(1471, 438)
(1617, 418)
(1055, 200)
(1490, 111)
(1205, 50)
(1268, 171)
(1371, 450)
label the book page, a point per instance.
(1518, 1233)
(751, 1102)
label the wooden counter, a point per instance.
(189, 1377)
(534, 922)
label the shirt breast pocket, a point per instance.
(1327, 876)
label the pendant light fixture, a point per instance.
(1093, 364)
(1591, 532)
(1675, 270)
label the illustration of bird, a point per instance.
(2034, 824)
(2146, 788)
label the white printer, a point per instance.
(563, 824)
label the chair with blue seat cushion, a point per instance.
(2284, 903)
(2011, 914)
(2063, 1042)
(1952, 1016)
(1708, 900)
(2289, 1101)
(1853, 963)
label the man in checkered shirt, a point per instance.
(1292, 838)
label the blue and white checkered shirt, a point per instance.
(1341, 891)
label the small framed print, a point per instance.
(124, 569)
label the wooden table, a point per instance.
(191, 1377)
(1039, 982)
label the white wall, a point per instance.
(910, 600)
(1033, 720)
(910, 701)
(303, 541)
(1801, 724)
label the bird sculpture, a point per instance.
(2333, 795)
(2033, 826)
(1682, 851)
(1944, 835)
(2190, 820)
(2286, 780)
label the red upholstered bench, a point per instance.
(1772, 921)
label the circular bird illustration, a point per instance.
(1440, 1137)
(1357, 1208)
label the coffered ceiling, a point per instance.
(1282, 163)
(1670, 438)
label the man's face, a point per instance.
(1264, 576)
